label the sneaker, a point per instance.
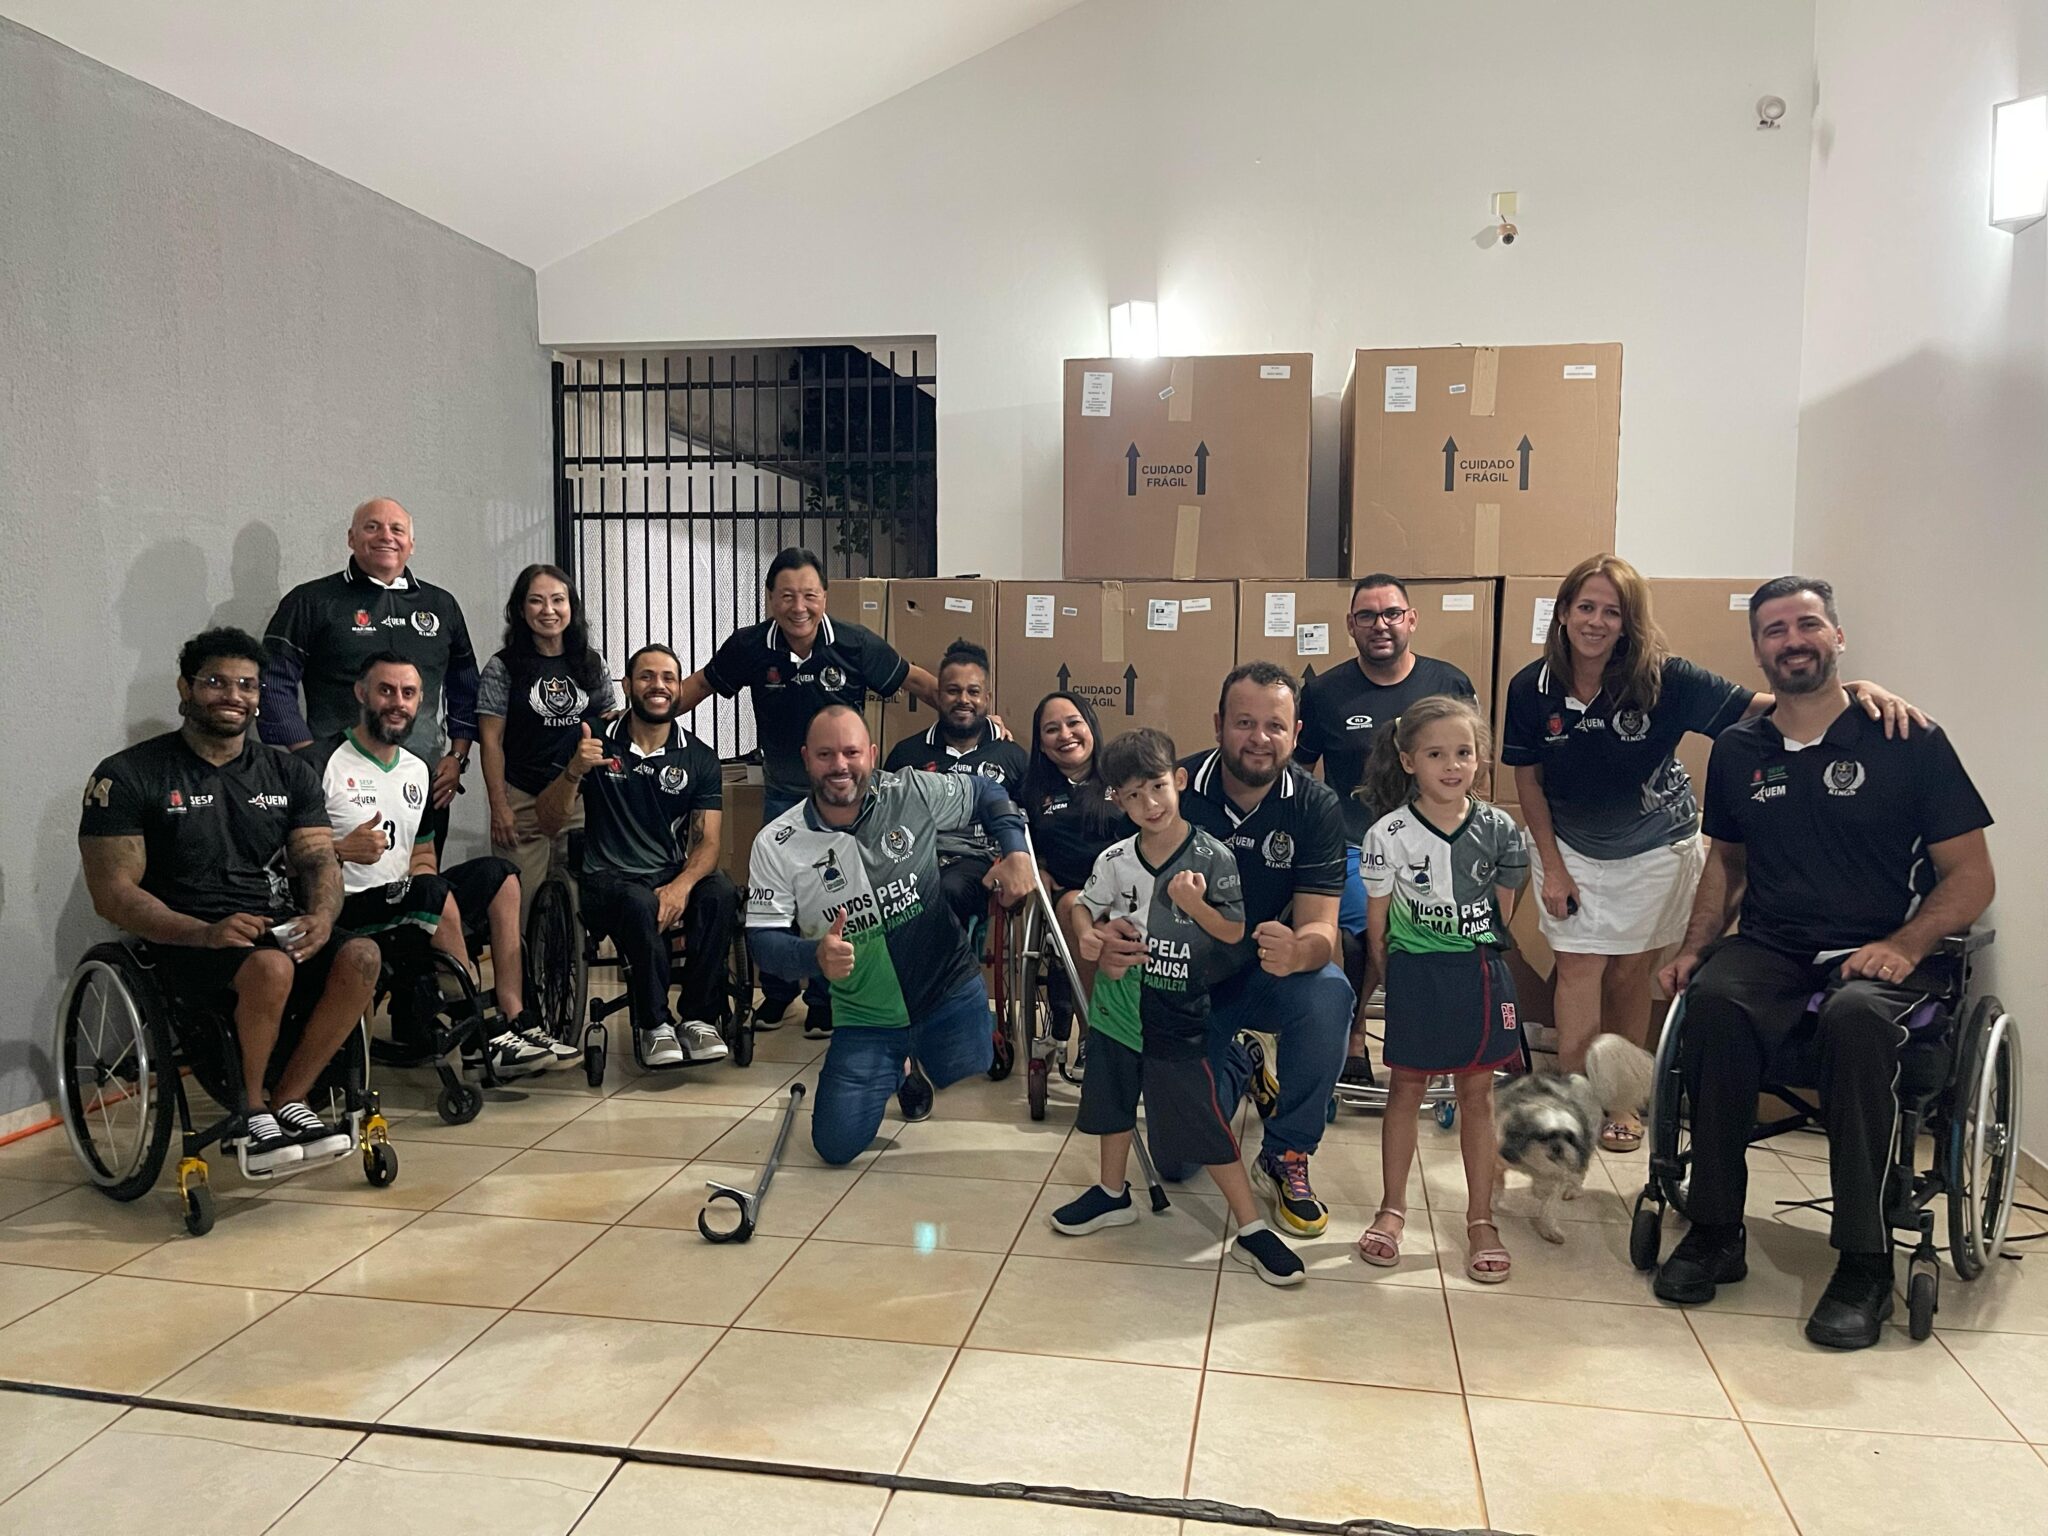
(1705, 1258)
(1282, 1177)
(1357, 1072)
(818, 1021)
(541, 1040)
(662, 1048)
(914, 1097)
(769, 1014)
(263, 1144)
(1262, 1252)
(702, 1042)
(1261, 1084)
(511, 1056)
(1092, 1210)
(305, 1127)
(1852, 1311)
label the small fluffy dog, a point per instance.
(1548, 1126)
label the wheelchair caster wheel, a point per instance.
(459, 1104)
(1923, 1300)
(1003, 1059)
(1645, 1237)
(198, 1209)
(1330, 1111)
(1446, 1114)
(1035, 1086)
(742, 1046)
(593, 1065)
(380, 1164)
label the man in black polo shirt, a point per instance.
(325, 630)
(963, 741)
(1851, 855)
(794, 663)
(1288, 835)
(216, 849)
(652, 799)
(1343, 712)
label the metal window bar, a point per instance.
(772, 446)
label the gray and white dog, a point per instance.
(1549, 1125)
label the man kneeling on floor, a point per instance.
(377, 796)
(845, 885)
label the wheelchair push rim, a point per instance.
(111, 1083)
(1984, 1141)
(554, 961)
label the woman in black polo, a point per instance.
(1591, 732)
(531, 698)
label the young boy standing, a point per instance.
(1173, 890)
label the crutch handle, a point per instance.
(743, 1207)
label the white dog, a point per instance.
(1548, 1124)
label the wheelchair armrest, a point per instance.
(1959, 945)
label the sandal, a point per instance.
(1380, 1249)
(1621, 1136)
(1496, 1257)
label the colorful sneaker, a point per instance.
(1092, 1210)
(1265, 1255)
(1283, 1179)
(1261, 1084)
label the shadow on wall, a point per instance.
(255, 582)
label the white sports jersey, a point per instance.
(358, 787)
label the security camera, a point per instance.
(1769, 109)
(1507, 233)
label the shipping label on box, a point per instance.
(864, 601)
(1454, 623)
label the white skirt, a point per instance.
(1626, 906)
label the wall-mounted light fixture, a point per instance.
(2019, 162)
(1134, 329)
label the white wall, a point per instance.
(1301, 177)
(1923, 420)
(213, 351)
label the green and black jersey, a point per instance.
(1169, 998)
(909, 951)
(1443, 884)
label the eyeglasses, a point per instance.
(1366, 618)
(213, 682)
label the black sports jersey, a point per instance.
(1167, 998)
(542, 701)
(1836, 834)
(1342, 713)
(1291, 844)
(637, 806)
(214, 838)
(1613, 785)
(1068, 842)
(846, 663)
(325, 630)
(991, 757)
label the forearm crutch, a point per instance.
(746, 1203)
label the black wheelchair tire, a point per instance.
(1036, 1075)
(198, 1210)
(1645, 1236)
(1923, 1292)
(593, 1065)
(1004, 1054)
(458, 1104)
(1965, 1235)
(380, 1164)
(554, 960)
(742, 1048)
(153, 1011)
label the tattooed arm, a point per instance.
(700, 857)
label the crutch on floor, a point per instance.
(746, 1203)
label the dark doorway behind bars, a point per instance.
(679, 474)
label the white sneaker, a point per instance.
(663, 1049)
(541, 1040)
(510, 1054)
(702, 1042)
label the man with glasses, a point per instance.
(1343, 711)
(216, 849)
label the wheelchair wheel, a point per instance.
(458, 1105)
(1669, 1135)
(1923, 1300)
(1004, 1053)
(595, 1039)
(1984, 1131)
(1036, 1081)
(741, 1045)
(554, 960)
(1447, 1114)
(117, 1073)
(1645, 1234)
(198, 1210)
(380, 1164)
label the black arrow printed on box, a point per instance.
(1450, 463)
(1202, 469)
(1523, 448)
(1064, 677)
(1131, 458)
(1130, 690)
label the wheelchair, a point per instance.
(561, 955)
(437, 1009)
(1023, 958)
(1959, 1081)
(125, 1043)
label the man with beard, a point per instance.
(376, 794)
(215, 849)
(845, 886)
(1850, 855)
(652, 799)
(1287, 833)
(963, 741)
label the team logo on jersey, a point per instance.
(1554, 726)
(98, 791)
(394, 893)
(1396, 825)
(783, 835)
(178, 801)
(1358, 723)
(775, 677)
(557, 700)
(1631, 724)
(831, 679)
(1279, 850)
(261, 802)
(1418, 875)
(363, 626)
(1844, 777)
(897, 842)
(428, 624)
(414, 796)
(673, 778)
(989, 770)
(829, 871)
(1129, 899)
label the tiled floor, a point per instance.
(538, 1274)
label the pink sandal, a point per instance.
(1380, 1249)
(1495, 1256)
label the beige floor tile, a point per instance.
(1396, 1336)
(549, 1376)
(1592, 1263)
(735, 1087)
(344, 1356)
(867, 1291)
(1189, 1234)
(1334, 1255)
(1587, 1353)
(1646, 1473)
(284, 1244)
(977, 1149)
(1348, 1173)
(751, 1139)
(663, 1276)
(1352, 1451)
(919, 1211)
(641, 1127)
(976, 1098)
(511, 1117)
(132, 1479)
(295, 1439)
(428, 1173)
(1843, 1483)
(120, 1334)
(2006, 1298)
(2012, 1369)
(463, 1260)
(45, 1156)
(1775, 1376)
(797, 1201)
(938, 1514)
(566, 1186)
(787, 1043)
(1071, 1423)
(1144, 1314)
(686, 1501)
(1789, 1265)
(429, 1488)
(21, 1194)
(23, 1289)
(1444, 1172)
(853, 1403)
(38, 1432)
(86, 1230)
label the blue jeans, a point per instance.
(864, 1067)
(1309, 1014)
(783, 989)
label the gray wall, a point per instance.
(212, 351)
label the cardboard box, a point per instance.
(1479, 461)
(926, 616)
(740, 822)
(1300, 626)
(1187, 468)
(1142, 653)
(862, 600)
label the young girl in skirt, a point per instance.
(1441, 872)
